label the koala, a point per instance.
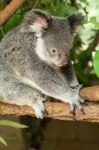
(35, 63)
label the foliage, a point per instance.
(91, 9)
(11, 124)
(3, 141)
(96, 63)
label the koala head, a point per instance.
(54, 35)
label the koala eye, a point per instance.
(54, 51)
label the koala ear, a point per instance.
(36, 21)
(75, 20)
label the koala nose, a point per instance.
(63, 60)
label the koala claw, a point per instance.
(82, 110)
(78, 86)
(39, 109)
(77, 101)
(81, 100)
(73, 111)
(75, 105)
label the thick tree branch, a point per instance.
(9, 10)
(58, 110)
(90, 93)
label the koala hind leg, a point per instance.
(15, 92)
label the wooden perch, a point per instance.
(59, 110)
(9, 10)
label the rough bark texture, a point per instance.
(90, 93)
(9, 10)
(59, 110)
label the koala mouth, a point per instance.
(60, 65)
(63, 64)
(63, 61)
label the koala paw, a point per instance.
(76, 101)
(39, 109)
(78, 86)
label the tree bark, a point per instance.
(9, 10)
(59, 110)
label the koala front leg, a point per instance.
(15, 92)
(50, 83)
(69, 73)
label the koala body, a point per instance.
(34, 61)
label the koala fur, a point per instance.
(34, 61)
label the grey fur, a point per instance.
(25, 78)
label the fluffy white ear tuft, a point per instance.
(35, 21)
(39, 24)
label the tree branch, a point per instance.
(59, 110)
(9, 10)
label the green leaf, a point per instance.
(2, 31)
(87, 38)
(96, 63)
(3, 141)
(95, 22)
(45, 2)
(62, 8)
(13, 21)
(12, 124)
